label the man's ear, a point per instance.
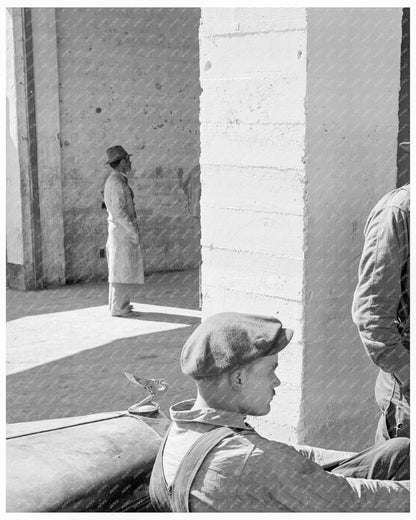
(236, 378)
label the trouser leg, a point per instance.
(386, 461)
(120, 294)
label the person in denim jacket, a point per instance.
(381, 308)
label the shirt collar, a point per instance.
(182, 412)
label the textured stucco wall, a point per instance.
(253, 75)
(351, 137)
(130, 77)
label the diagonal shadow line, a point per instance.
(155, 316)
(93, 380)
(37, 308)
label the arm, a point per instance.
(322, 456)
(378, 293)
(116, 204)
(300, 485)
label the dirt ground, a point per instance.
(66, 354)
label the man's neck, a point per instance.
(123, 174)
(200, 403)
(214, 401)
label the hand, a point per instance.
(135, 238)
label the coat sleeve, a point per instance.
(115, 200)
(378, 293)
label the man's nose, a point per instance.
(276, 382)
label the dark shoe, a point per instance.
(121, 314)
(129, 314)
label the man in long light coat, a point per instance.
(124, 256)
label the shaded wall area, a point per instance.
(403, 158)
(130, 77)
(351, 145)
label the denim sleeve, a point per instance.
(322, 456)
(293, 482)
(378, 293)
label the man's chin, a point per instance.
(265, 411)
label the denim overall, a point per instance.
(175, 498)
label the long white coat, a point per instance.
(125, 260)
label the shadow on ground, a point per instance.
(175, 289)
(93, 381)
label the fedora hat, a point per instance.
(114, 153)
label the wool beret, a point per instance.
(230, 339)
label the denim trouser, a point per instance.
(386, 461)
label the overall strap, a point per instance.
(190, 465)
(158, 489)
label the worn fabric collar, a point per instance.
(121, 176)
(181, 412)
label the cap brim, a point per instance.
(283, 341)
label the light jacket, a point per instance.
(125, 260)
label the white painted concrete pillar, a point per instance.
(33, 180)
(49, 152)
(14, 203)
(253, 76)
(18, 228)
(298, 134)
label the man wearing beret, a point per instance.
(381, 307)
(212, 460)
(124, 256)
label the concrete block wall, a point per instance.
(130, 77)
(253, 77)
(299, 125)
